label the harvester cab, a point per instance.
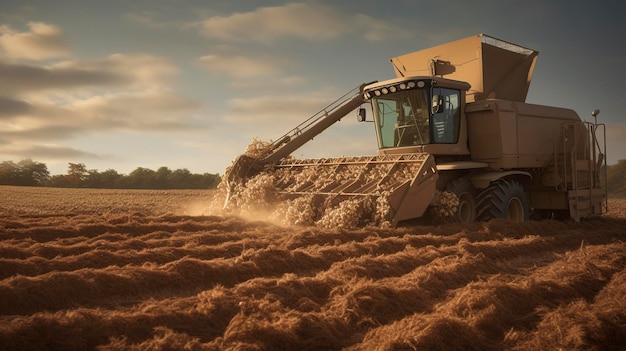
(419, 114)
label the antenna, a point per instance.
(595, 114)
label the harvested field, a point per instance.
(88, 269)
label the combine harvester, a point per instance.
(454, 121)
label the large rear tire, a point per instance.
(465, 192)
(504, 198)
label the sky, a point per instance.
(121, 84)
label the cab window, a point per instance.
(445, 123)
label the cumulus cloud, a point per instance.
(42, 42)
(114, 70)
(240, 66)
(286, 109)
(151, 109)
(248, 70)
(276, 82)
(44, 132)
(270, 116)
(298, 20)
(10, 107)
(130, 111)
(23, 78)
(45, 151)
(56, 102)
(309, 21)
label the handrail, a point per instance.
(314, 125)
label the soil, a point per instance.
(88, 269)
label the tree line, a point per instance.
(616, 179)
(32, 173)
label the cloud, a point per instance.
(308, 21)
(113, 71)
(47, 132)
(248, 70)
(43, 41)
(77, 98)
(271, 116)
(277, 81)
(21, 78)
(275, 109)
(10, 107)
(240, 66)
(42, 151)
(141, 111)
(146, 110)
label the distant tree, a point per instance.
(180, 178)
(163, 177)
(211, 180)
(92, 180)
(140, 178)
(616, 179)
(26, 172)
(76, 174)
(59, 181)
(29, 172)
(32, 173)
(111, 179)
(8, 173)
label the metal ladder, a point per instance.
(580, 164)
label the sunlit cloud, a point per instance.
(151, 19)
(76, 98)
(275, 82)
(113, 71)
(240, 66)
(146, 110)
(149, 110)
(297, 20)
(10, 107)
(43, 41)
(275, 109)
(23, 78)
(50, 152)
(271, 116)
(308, 21)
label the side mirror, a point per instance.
(437, 105)
(361, 115)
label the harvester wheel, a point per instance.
(465, 192)
(504, 198)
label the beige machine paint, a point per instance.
(495, 69)
(508, 134)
